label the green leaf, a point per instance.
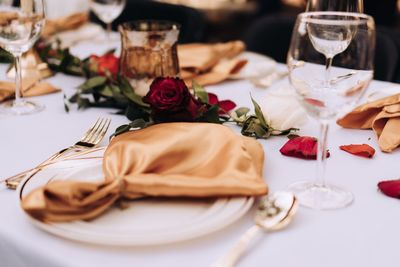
(105, 91)
(134, 112)
(66, 106)
(93, 82)
(128, 91)
(259, 113)
(291, 136)
(200, 92)
(242, 111)
(83, 103)
(211, 115)
(138, 123)
(121, 129)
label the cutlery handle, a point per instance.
(230, 259)
(13, 181)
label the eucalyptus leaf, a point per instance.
(138, 123)
(212, 115)
(66, 106)
(83, 103)
(121, 129)
(93, 82)
(106, 91)
(259, 113)
(242, 111)
(200, 92)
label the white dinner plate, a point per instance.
(148, 221)
(257, 66)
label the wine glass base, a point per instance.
(320, 197)
(23, 107)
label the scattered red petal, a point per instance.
(304, 147)
(363, 150)
(212, 99)
(226, 105)
(390, 188)
(314, 102)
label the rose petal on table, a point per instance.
(304, 147)
(212, 99)
(391, 188)
(226, 105)
(361, 150)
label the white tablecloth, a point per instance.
(365, 234)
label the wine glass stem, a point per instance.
(18, 79)
(322, 153)
(328, 65)
(109, 29)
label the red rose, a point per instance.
(170, 100)
(106, 63)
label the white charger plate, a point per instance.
(150, 221)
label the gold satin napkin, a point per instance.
(383, 116)
(210, 63)
(70, 22)
(30, 87)
(169, 160)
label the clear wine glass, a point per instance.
(330, 63)
(20, 26)
(356, 6)
(107, 11)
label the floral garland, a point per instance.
(168, 100)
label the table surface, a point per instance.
(364, 234)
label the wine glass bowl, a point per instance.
(336, 5)
(330, 63)
(107, 11)
(20, 27)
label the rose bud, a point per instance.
(107, 63)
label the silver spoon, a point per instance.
(274, 212)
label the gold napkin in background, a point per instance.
(30, 87)
(70, 22)
(169, 160)
(383, 116)
(210, 63)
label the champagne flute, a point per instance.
(330, 63)
(20, 26)
(356, 6)
(107, 11)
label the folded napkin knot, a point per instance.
(168, 160)
(383, 116)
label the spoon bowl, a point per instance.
(274, 212)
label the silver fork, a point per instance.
(90, 139)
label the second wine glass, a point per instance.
(107, 11)
(356, 6)
(330, 63)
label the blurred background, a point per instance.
(265, 26)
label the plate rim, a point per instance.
(245, 203)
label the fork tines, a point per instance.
(95, 134)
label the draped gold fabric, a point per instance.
(383, 116)
(169, 160)
(210, 63)
(30, 87)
